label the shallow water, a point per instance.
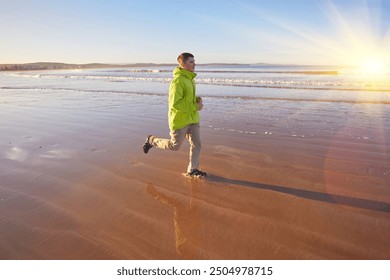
(292, 101)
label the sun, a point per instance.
(374, 65)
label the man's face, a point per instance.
(189, 64)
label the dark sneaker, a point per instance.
(196, 173)
(146, 147)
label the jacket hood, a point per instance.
(182, 72)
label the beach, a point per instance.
(289, 178)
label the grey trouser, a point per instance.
(192, 132)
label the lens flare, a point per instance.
(373, 66)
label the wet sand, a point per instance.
(74, 184)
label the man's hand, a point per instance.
(200, 104)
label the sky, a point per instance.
(317, 32)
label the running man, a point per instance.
(183, 116)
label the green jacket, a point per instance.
(183, 107)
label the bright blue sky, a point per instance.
(270, 31)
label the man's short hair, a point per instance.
(183, 57)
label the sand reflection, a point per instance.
(186, 220)
(16, 153)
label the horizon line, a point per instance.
(140, 64)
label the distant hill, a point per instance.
(58, 65)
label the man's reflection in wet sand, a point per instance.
(185, 221)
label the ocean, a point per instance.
(293, 101)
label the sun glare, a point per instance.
(373, 66)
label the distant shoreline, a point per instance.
(61, 66)
(57, 65)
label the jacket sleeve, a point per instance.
(176, 97)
